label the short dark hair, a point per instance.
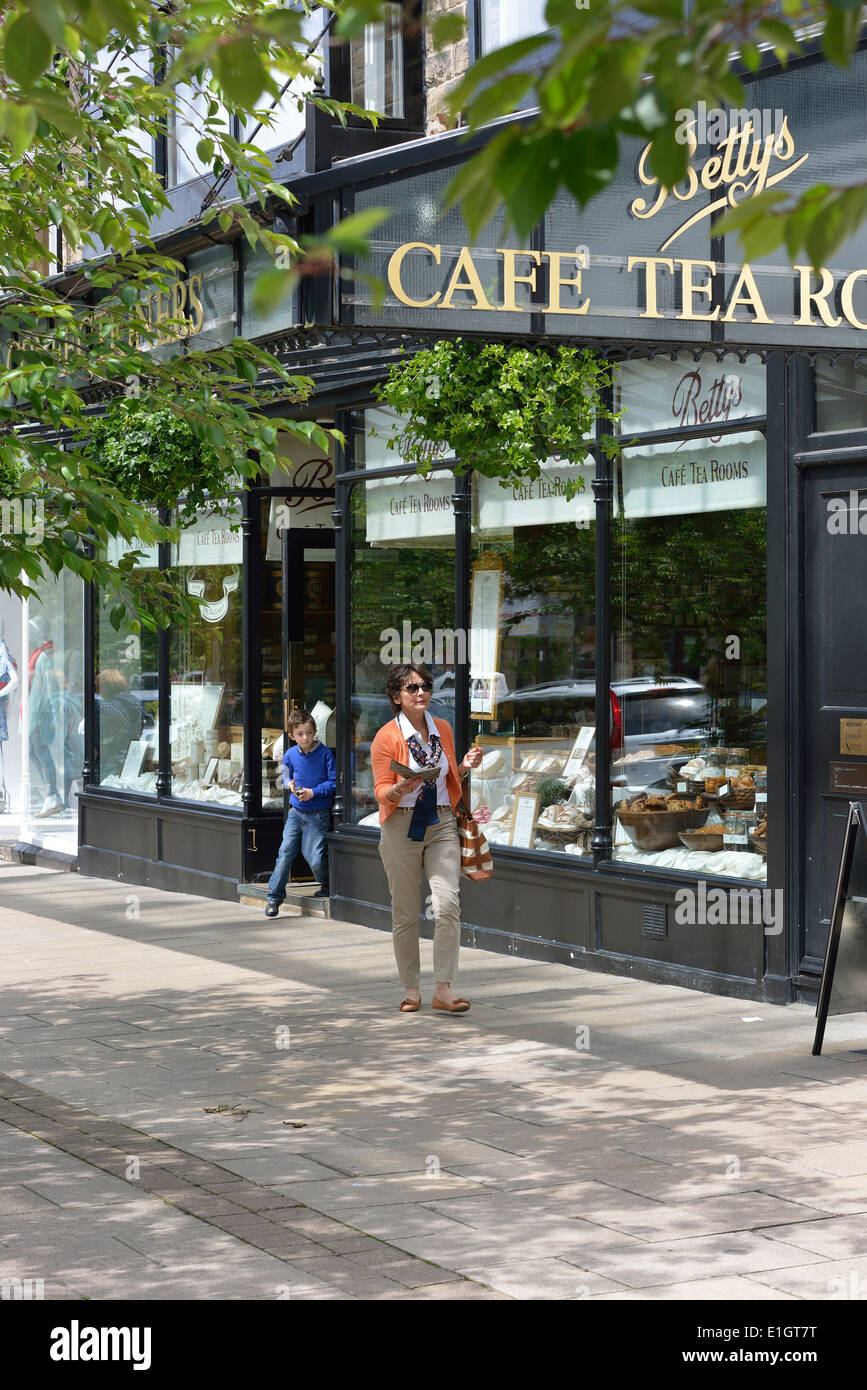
(397, 675)
(299, 717)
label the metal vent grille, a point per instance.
(653, 921)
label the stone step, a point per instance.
(299, 902)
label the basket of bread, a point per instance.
(653, 822)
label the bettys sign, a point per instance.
(634, 278)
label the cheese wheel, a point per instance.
(492, 763)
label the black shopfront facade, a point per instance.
(711, 577)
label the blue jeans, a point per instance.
(305, 830)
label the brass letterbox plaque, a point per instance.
(853, 736)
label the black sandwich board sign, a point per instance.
(844, 979)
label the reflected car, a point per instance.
(643, 712)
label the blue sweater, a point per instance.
(316, 769)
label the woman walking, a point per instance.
(419, 831)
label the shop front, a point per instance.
(662, 665)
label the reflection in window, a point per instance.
(402, 597)
(506, 21)
(376, 65)
(689, 690)
(841, 395)
(56, 698)
(533, 660)
(206, 665)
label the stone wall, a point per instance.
(443, 69)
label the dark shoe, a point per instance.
(460, 1006)
(272, 909)
(323, 893)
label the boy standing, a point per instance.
(310, 771)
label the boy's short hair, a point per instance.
(299, 717)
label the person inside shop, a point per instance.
(419, 832)
(8, 683)
(118, 720)
(310, 773)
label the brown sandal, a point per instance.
(460, 1006)
(410, 1006)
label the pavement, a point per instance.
(199, 1103)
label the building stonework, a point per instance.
(443, 69)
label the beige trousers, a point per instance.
(439, 856)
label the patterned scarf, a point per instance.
(424, 813)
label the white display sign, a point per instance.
(409, 509)
(484, 640)
(662, 395)
(541, 501)
(693, 476)
(211, 540)
(585, 737)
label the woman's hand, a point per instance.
(404, 787)
(472, 758)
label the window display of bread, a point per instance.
(503, 813)
(492, 764)
(677, 801)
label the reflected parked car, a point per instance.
(643, 712)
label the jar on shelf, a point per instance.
(736, 828)
(736, 760)
(762, 792)
(714, 768)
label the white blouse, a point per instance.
(408, 731)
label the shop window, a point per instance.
(506, 21)
(381, 68)
(56, 728)
(206, 665)
(126, 709)
(402, 599)
(841, 395)
(689, 688)
(533, 660)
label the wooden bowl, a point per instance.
(708, 844)
(655, 830)
(760, 844)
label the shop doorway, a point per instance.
(309, 627)
(835, 678)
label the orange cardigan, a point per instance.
(390, 743)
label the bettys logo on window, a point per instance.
(698, 402)
(744, 164)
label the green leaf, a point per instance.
(446, 29)
(20, 126)
(128, 295)
(668, 157)
(27, 50)
(501, 98)
(494, 63)
(271, 288)
(241, 72)
(841, 35)
(350, 235)
(50, 17)
(205, 151)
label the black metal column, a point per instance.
(251, 783)
(164, 698)
(342, 626)
(90, 764)
(462, 502)
(603, 493)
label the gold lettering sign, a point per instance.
(741, 168)
(744, 164)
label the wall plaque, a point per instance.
(853, 736)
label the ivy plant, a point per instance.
(498, 409)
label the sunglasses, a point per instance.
(414, 688)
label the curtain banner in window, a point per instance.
(698, 475)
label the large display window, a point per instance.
(127, 697)
(688, 612)
(533, 660)
(206, 731)
(401, 593)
